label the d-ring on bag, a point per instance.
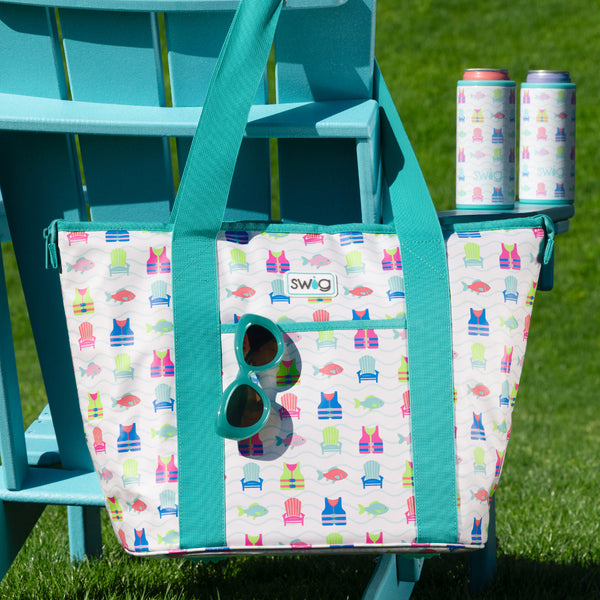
(259, 387)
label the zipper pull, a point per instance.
(51, 237)
(549, 248)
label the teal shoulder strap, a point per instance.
(197, 217)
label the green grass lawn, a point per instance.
(548, 502)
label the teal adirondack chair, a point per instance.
(93, 122)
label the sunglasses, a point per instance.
(244, 407)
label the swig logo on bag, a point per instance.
(322, 285)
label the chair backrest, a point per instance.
(92, 77)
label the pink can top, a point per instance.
(485, 75)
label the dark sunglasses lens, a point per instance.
(245, 407)
(260, 346)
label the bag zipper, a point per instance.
(51, 238)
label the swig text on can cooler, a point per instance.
(485, 140)
(547, 139)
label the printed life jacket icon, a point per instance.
(497, 136)
(287, 373)
(531, 294)
(526, 327)
(560, 135)
(370, 441)
(158, 261)
(140, 543)
(542, 116)
(253, 540)
(364, 338)
(476, 536)
(118, 263)
(128, 440)
(372, 476)
(477, 116)
(277, 262)
(83, 303)
(374, 538)
(497, 195)
(403, 369)
(121, 334)
(166, 470)
(509, 257)
(114, 508)
(499, 460)
(291, 478)
(293, 512)
(237, 237)
(329, 407)
(333, 514)
(162, 365)
(391, 261)
(477, 428)
(478, 323)
(351, 237)
(95, 409)
(251, 446)
(506, 361)
(251, 479)
(408, 479)
(559, 190)
(116, 235)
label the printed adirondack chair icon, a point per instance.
(325, 339)
(159, 296)
(372, 477)
(131, 475)
(313, 238)
(168, 504)
(526, 327)
(293, 512)
(278, 292)
(479, 461)
(289, 406)
(510, 292)
(331, 443)
(238, 260)
(367, 371)
(118, 262)
(123, 368)
(334, 539)
(354, 263)
(98, 443)
(77, 237)
(86, 339)
(163, 400)
(410, 514)
(504, 394)
(396, 290)
(252, 478)
(406, 403)
(478, 360)
(473, 255)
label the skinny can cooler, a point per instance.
(485, 140)
(547, 139)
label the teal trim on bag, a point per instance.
(197, 217)
(301, 327)
(429, 334)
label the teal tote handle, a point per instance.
(197, 218)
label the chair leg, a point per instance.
(16, 522)
(482, 563)
(85, 532)
(394, 578)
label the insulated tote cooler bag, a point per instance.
(261, 387)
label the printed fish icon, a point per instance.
(121, 295)
(369, 403)
(375, 509)
(170, 538)
(126, 401)
(333, 475)
(291, 441)
(316, 261)
(138, 506)
(479, 390)
(253, 511)
(90, 371)
(242, 292)
(106, 474)
(479, 287)
(361, 290)
(499, 115)
(82, 265)
(329, 370)
(478, 154)
(166, 431)
(500, 427)
(562, 115)
(403, 438)
(511, 323)
(163, 326)
(481, 495)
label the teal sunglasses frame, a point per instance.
(244, 378)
